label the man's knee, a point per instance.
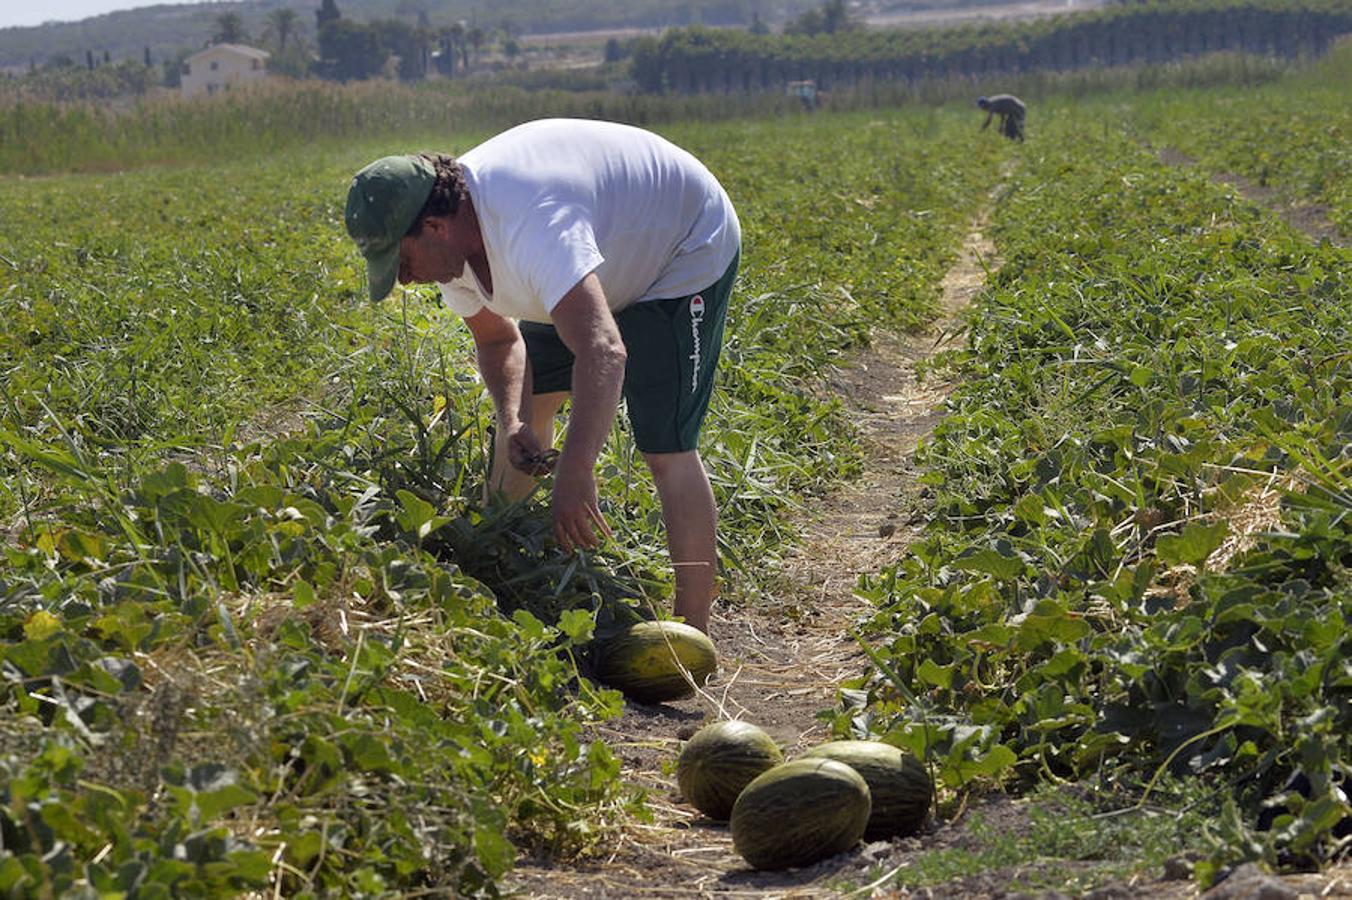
(664, 465)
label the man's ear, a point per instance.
(436, 223)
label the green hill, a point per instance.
(166, 29)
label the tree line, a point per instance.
(703, 60)
(344, 50)
(827, 44)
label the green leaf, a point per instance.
(1049, 622)
(417, 516)
(991, 764)
(303, 594)
(31, 657)
(220, 519)
(304, 847)
(251, 866)
(369, 881)
(1030, 509)
(174, 477)
(495, 852)
(1004, 568)
(577, 624)
(213, 804)
(532, 629)
(1193, 546)
(368, 753)
(80, 545)
(932, 673)
(14, 878)
(41, 625)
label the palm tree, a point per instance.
(476, 38)
(449, 39)
(283, 22)
(229, 29)
(327, 14)
(462, 39)
(456, 39)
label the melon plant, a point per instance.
(898, 784)
(720, 760)
(800, 812)
(656, 661)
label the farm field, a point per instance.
(1292, 142)
(260, 633)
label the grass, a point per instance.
(1062, 839)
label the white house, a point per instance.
(221, 67)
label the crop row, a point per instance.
(1136, 565)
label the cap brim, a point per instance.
(382, 270)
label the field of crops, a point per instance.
(258, 632)
(1136, 566)
(1296, 141)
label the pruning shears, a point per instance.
(542, 463)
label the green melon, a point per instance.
(646, 660)
(720, 760)
(900, 787)
(798, 813)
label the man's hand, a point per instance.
(526, 455)
(577, 512)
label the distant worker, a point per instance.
(806, 92)
(1011, 111)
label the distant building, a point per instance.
(221, 67)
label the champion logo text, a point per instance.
(696, 316)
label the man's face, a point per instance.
(432, 255)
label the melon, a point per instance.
(656, 661)
(720, 760)
(799, 812)
(898, 784)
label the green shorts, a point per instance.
(672, 348)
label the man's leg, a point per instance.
(691, 521)
(507, 479)
(673, 357)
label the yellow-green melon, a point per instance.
(656, 661)
(798, 813)
(898, 784)
(720, 760)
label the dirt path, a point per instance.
(1309, 218)
(781, 664)
(939, 15)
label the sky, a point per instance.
(35, 12)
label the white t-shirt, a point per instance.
(558, 199)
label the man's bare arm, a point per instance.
(504, 366)
(587, 328)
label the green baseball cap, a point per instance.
(384, 199)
